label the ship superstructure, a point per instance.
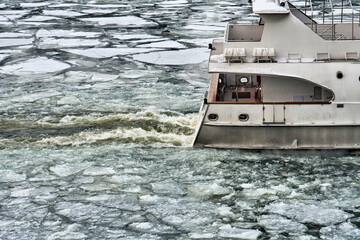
(289, 81)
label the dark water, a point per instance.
(98, 105)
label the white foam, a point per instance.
(38, 65)
(128, 21)
(7, 176)
(68, 169)
(181, 57)
(107, 52)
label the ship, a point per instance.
(291, 80)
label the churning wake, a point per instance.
(146, 127)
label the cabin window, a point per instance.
(213, 117)
(317, 93)
(339, 75)
(243, 117)
(244, 80)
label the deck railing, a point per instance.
(327, 9)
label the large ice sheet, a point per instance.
(65, 43)
(128, 21)
(9, 42)
(163, 44)
(309, 212)
(107, 52)
(181, 57)
(36, 65)
(62, 13)
(65, 33)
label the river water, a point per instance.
(98, 105)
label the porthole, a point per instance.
(243, 117)
(339, 75)
(213, 117)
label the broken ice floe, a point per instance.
(128, 21)
(65, 43)
(68, 100)
(11, 42)
(40, 19)
(42, 33)
(62, 13)
(38, 65)
(202, 42)
(33, 97)
(98, 11)
(163, 44)
(181, 57)
(309, 212)
(133, 36)
(236, 233)
(107, 52)
(68, 169)
(14, 35)
(344, 231)
(7, 176)
(34, 5)
(99, 171)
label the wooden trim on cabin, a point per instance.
(213, 87)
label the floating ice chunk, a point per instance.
(107, 52)
(8, 42)
(126, 179)
(68, 169)
(34, 5)
(3, 56)
(225, 211)
(99, 171)
(35, 96)
(164, 44)
(21, 192)
(36, 65)
(14, 35)
(40, 19)
(237, 233)
(167, 187)
(71, 232)
(149, 199)
(279, 224)
(98, 11)
(141, 226)
(133, 36)
(11, 176)
(203, 190)
(68, 100)
(344, 231)
(202, 236)
(62, 13)
(64, 43)
(65, 33)
(128, 21)
(181, 57)
(108, 5)
(309, 212)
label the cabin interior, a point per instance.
(247, 88)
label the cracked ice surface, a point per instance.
(98, 106)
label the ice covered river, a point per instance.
(98, 104)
